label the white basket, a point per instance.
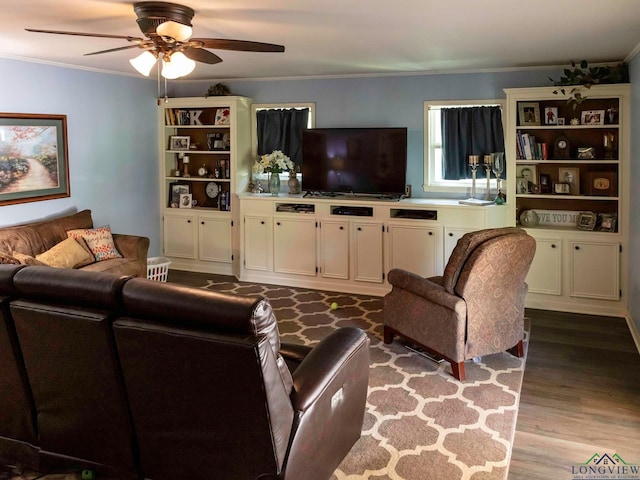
(157, 268)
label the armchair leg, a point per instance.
(389, 333)
(458, 370)
(517, 350)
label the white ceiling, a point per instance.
(341, 37)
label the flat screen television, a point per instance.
(368, 161)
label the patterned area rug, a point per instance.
(420, 423)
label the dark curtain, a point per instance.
(282, 130)
(469, 131)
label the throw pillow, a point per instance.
(25, 259)
(7, 259)
(66, 254)
(99, 240)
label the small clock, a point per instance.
(202, 171)
(561, 147)
(212, 189)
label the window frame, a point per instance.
(431, 182)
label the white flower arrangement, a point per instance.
(275, 162)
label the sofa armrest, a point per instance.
(425, 288)
(329, 398)
(131, 246)
(293, 354)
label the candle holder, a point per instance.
(498, 168)
(488, 161)
(474, 167)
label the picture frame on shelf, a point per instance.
(570, 176)
(587, 221)
(560, 121)
(607, 222)
(185, 200)
(529, 113)
(223, 116)
(561, 188)
(530, 175)
(34, 163)
(550, 115)
(601, 183)
(179, 142)
(175, 190)
(592, 117)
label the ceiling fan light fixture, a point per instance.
(177, 66)
(175, 30)
(144, 62)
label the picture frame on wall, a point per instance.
(179, 142)
(529, 113)
(34, 160)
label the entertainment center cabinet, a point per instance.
(347, 245)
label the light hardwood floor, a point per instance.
(580, 394)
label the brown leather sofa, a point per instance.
(38, 237)
(476, 308)
(140, 379)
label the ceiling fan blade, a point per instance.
(241, 45)
(200, 55)
(111, 50)
(99, 35)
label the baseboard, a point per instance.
(635, 333)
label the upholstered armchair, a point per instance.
(475, 308)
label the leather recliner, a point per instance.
(154, 380)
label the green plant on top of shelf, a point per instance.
(585, 77)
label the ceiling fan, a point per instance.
(167, 28)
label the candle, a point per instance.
(488, 160)
(473, 159)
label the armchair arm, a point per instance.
(131, 246)
(425, 288)
(293, 354)
(330, 391)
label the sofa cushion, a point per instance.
(67, 254)
(99, 240)
(37, 237)
(25, 259)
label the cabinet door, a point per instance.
(545, 274)
(256, 242)
(367, 251)
(595, 270)
(334, 249)
(451, 237)
(214, 239)
(294, 245)
(179, 236)
(413, 248)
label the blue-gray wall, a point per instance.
(113, 138)
(112, 143)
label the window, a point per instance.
(434, 180)
(255, 134)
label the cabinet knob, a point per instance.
(188, 221)
(341, 227)
(202, 223)
(277, 223)
(450, 234)
(261, 222)
(553, 245)
(430, 233)
(359, 228)
(577, 247)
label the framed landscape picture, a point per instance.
(34, 163)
